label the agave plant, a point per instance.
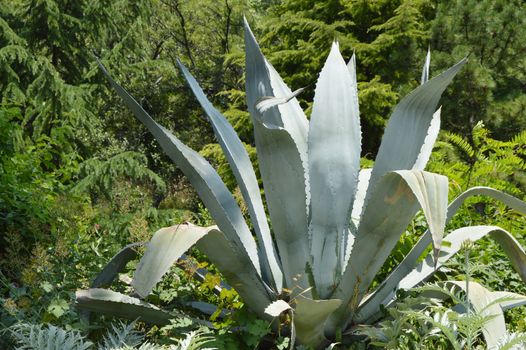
(331, 226)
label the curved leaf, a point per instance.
(396, 200)
(202, 175)
(386, 290)
(166, 246)
(334, 146)
(509, 244)
(281, 142)
(239, 161)
(237, 270)
(481, 300)
(116, 304)
(116, 265)
(408, 126)
(310, 317)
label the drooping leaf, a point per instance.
(385, 291)
(396, 200)
(116, 265)
(481, 300)
(281, 141)
(116, 304)
(202, 175)
(310, 317)
(509, 244)
(239, 161)
(266, 102)
(408, 126)
(166, 246)
(508, 300)
(334, 147)
(237, 270)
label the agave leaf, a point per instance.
(239, 161)
(266, 102)
(382, 294)
(509, 300)
(310, 317)
(429, 142)
(116, 304)
(166, 246)
(334, 149)
(363, 183)
(509, 244)
(116, 265)
(281, 142)
(202, 175)
(408, 126)
(425, 69)
(237, 270)
(394, 203)
(481, 300)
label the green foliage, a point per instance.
(490, 33)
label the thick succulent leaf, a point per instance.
(396, 200)
(386, 290)
(509, 300)
(481, 301)
(116, 304)
(425, 69)
(363, 183)
(237, 270)
(281, 141)
(202, 175)
(334, 147)
(239, 161)
(408, 126)
(429, 142)
(166, 246)
(266, 102)
(310, 317)
(116, 265)
(509, 244)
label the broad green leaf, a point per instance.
(509, 244)
(382, 294)
(334, 147)
(116, 304)
(239, 161)
(202, 175)
(166, 246)
(396, 200)
(237, 270)
(277, 307)
(408, 126)
(310, 317)
(281, 141)
(116, 265)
